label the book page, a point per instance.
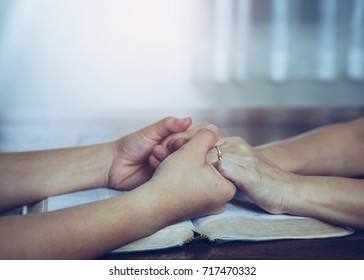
(243, 220)
(242, 207)
(171, 236)
(80, 197)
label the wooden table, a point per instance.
(256, 126)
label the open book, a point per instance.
(242, 220)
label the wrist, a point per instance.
(281, 156)
(95, 161)
(166, 203)
(153, 205)
(74, 169)
(107, 155)
(296, 201)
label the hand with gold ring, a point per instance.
(258, 178)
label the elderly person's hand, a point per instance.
(259, 179)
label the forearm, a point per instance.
(93, 229)
(332, 199)
(31, 176)
(80, 232)
(332, 150)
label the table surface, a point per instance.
(256, 126)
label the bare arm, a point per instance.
(75, 233)
(32, 176)
(97, 228)
(122, 164)
(335, 150)
(332, 199)
(272, 175)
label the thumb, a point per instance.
(161, 129)
(202, 141)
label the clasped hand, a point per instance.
(259, 179)
(189, 174)
(186, 182)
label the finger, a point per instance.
(201, 142)
(218, 210)
(232, 172)
(225, 144)
(161, 129)
(175, 144)
(211, 156)
(154, 162)
(160, 152)
(170, 144)
(187, 135)
(234, 149)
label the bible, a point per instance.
(242, 220)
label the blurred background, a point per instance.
(88, 55)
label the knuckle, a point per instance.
(168, 120)
(203, 124)
(206, 132)
(242, 149)
(235, 139)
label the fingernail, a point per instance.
(212, 127)
(185, 119)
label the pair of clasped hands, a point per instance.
(180, 164)
(175, 172)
